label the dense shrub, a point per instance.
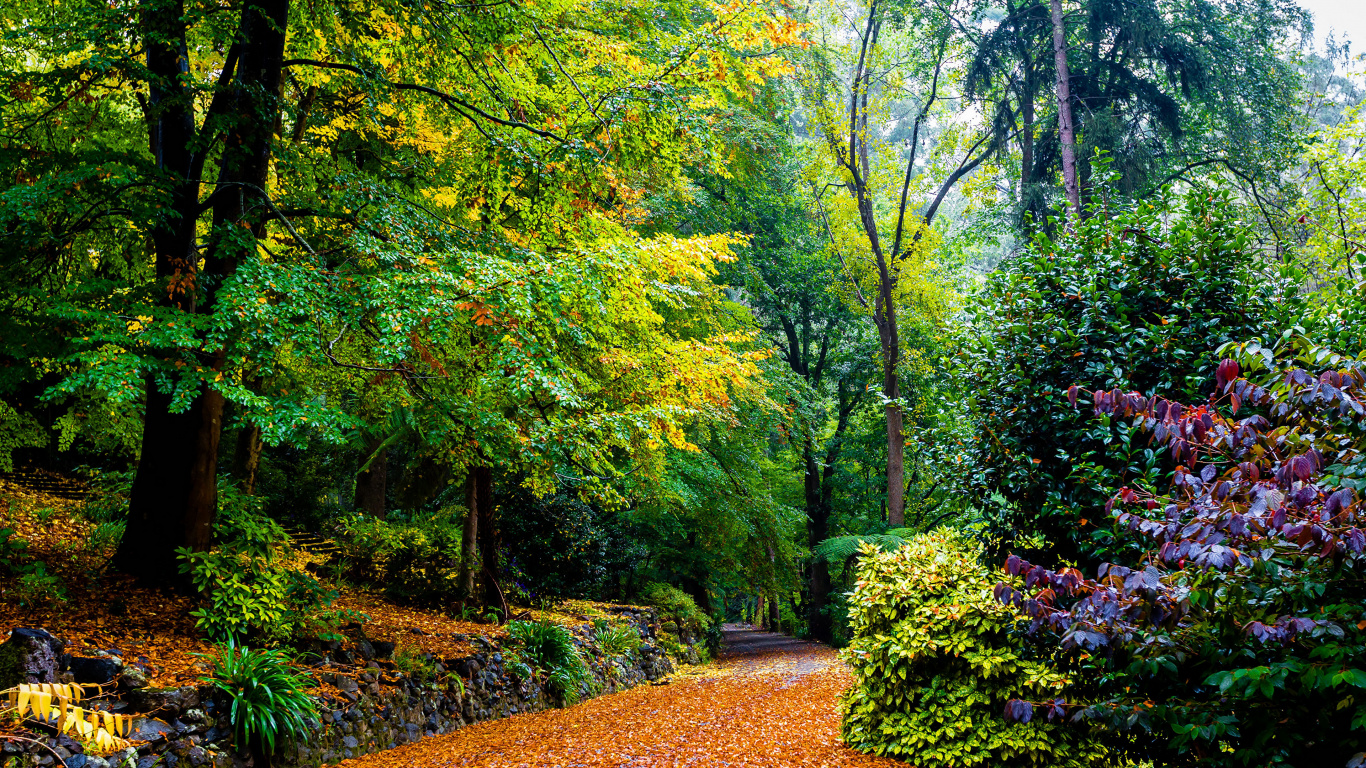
(249, 586)
(560, 546)
(549, 648)
(1239, 636)
(676, 607)
(1137, 298)
(935, 660)
(415, 562)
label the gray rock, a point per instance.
(30, 656)
(149, 729)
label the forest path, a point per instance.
(769, 701)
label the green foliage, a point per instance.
(17, 430)
(415, 562)
(935, 658)
(249, 587)
(36, 588)
(267, 698)
(617, 639)
(414, 663)
(1138, 298)
(550, 649)
(12, 549)
(840, 548)
(676, 606)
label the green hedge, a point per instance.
(935, 661)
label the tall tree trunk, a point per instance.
(817, 530)
(760, 613)
(166, 511)
(1066, 128)
(468, 541)
(175, 495)
(372, 482)
(775, 622)
(891, 391)
(246, 459)
(489, 542)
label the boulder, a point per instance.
(30, 656)
(96, 670)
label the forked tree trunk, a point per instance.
(246, 459)
(1067, 134)
(175, 495)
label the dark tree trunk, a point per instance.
(489, 541)
(372, 482)
(168, 507)
(422, 482)
(817, 530)
(468, 541)
(775, 622)
(175, 494)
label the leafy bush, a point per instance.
(1137, 298)
(1238, 636)
(267, 698)
(616, 640)
(416, 562)
(560, 546)
(250, 588)
(550, 648)
(935, 660)
(37, 588)
(676, 606)
(414, 663)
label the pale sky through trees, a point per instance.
(1340, 16)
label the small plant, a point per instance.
(267, 698)
(106, 537)
(551, 649)
(414, 663)
(37, 588)
(616, 640)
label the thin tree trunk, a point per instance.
(760, 615)
(247, 457)
(372, 482)
(489, 542)
(468, 552)
(1066, 128)
(817, 530)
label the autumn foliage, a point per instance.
(1245, 609)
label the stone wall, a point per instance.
(379, 707)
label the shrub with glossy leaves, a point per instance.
(1137, 297)
(1238, 637)
(936, 659)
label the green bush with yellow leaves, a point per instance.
(935, 660)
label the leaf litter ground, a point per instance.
(771, 702)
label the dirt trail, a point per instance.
(770, 701)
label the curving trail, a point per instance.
(772, 702)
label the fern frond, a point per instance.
(841, 548)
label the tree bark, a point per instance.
(775, 622)
(468, 552)
(175, 494)
(760, 614)
(372, 482)
(817, 530)
(489, 542)
(1066, 128)
(166, 511)
(247, 458)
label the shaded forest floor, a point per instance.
(769, 701)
